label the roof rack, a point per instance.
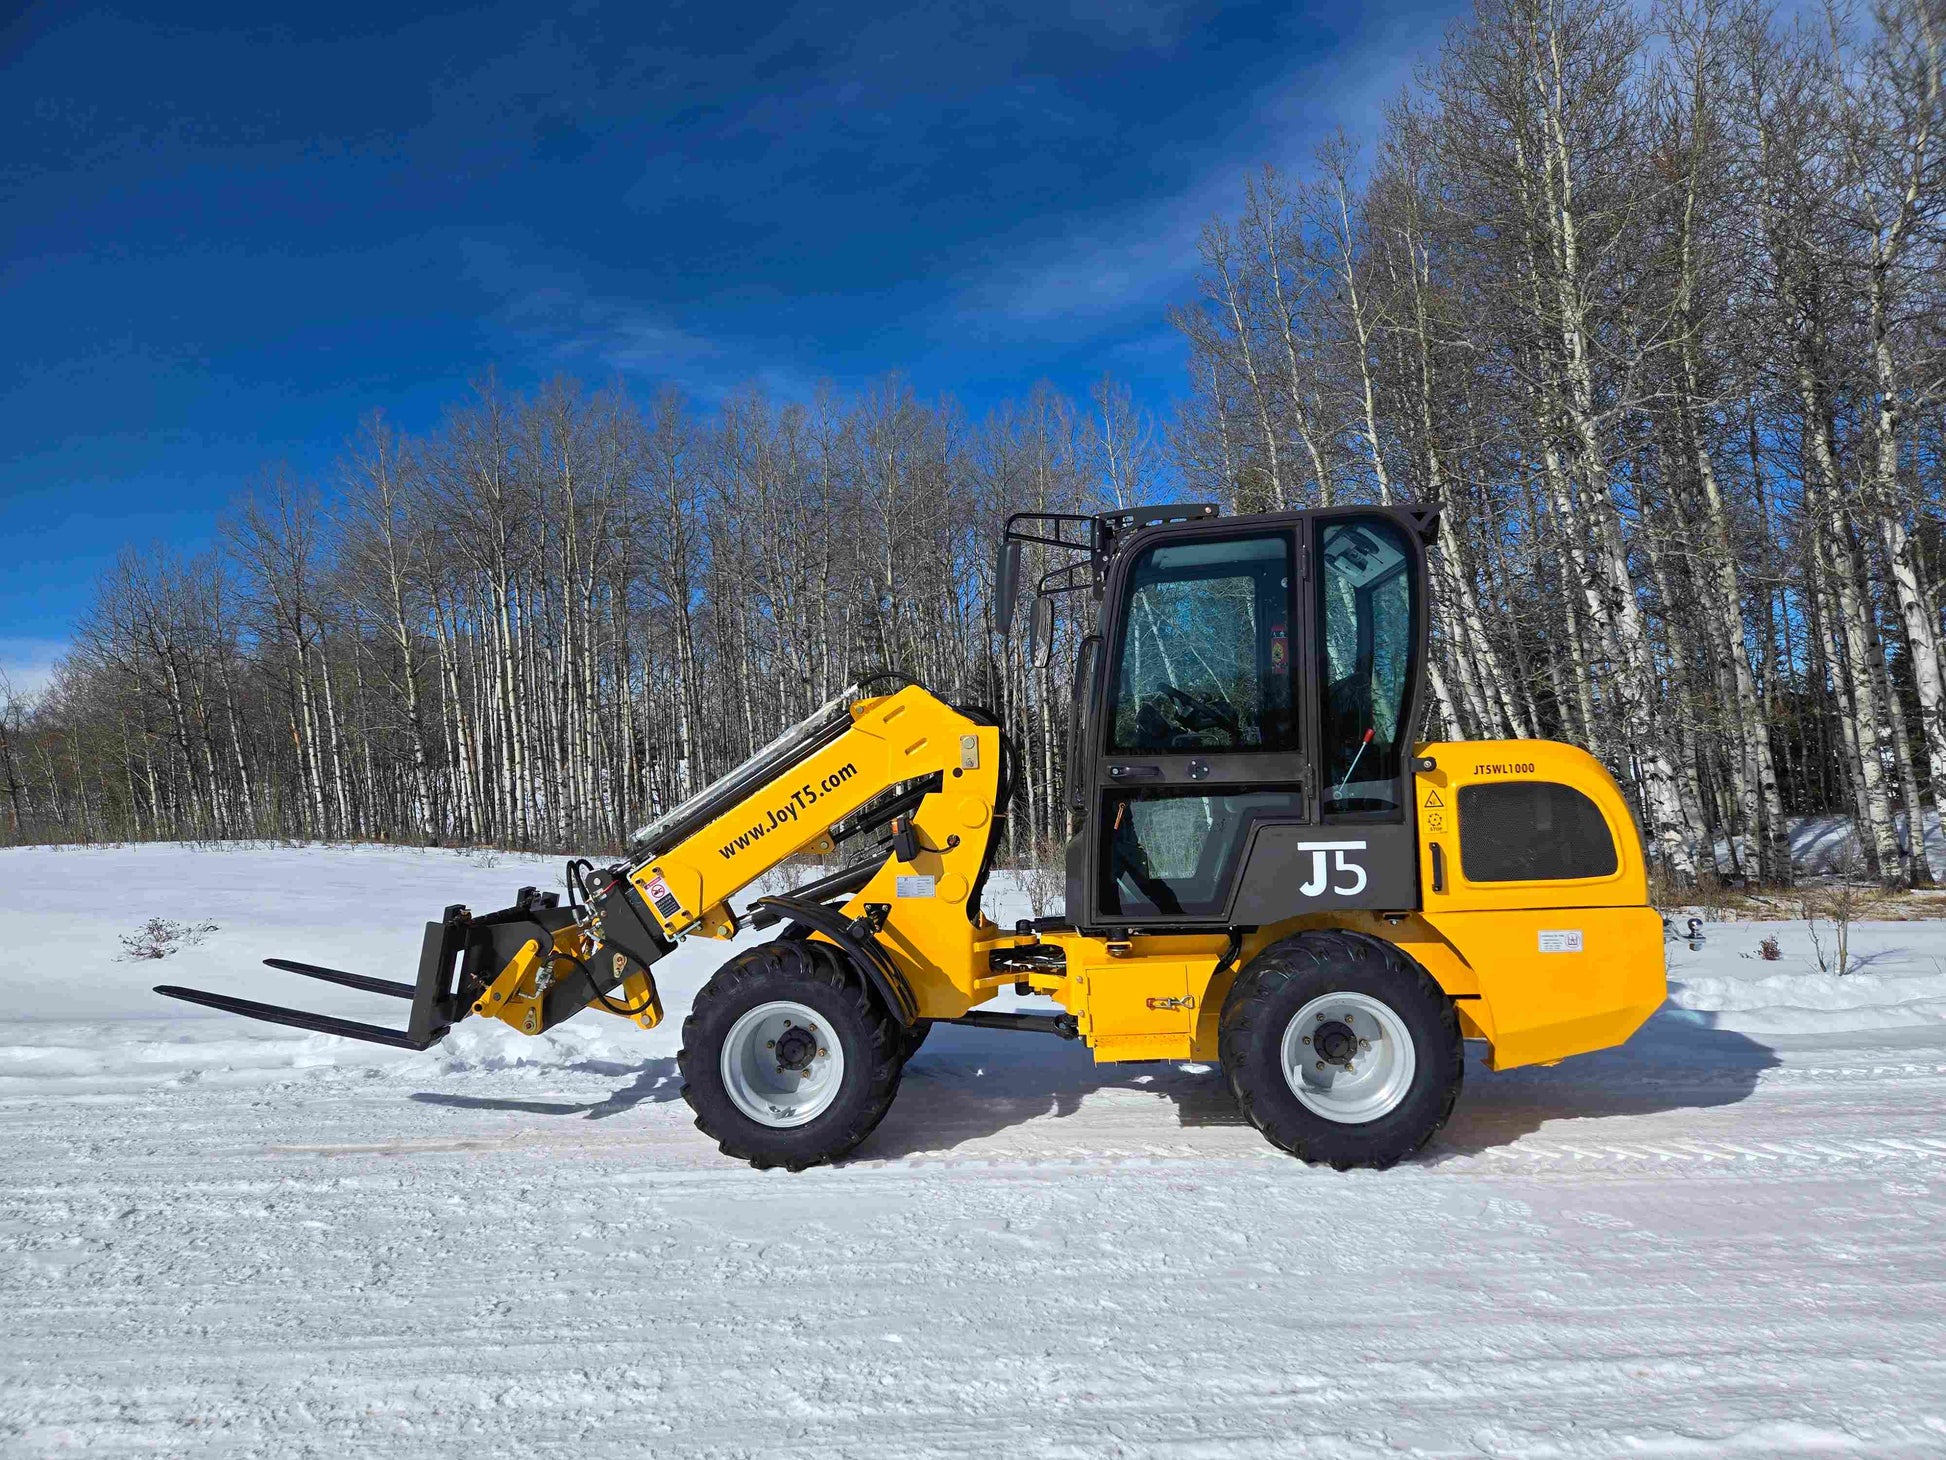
(1098, 534)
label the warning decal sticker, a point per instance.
(664, 900)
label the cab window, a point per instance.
(1365, 640)
(1205, 658)
(1532, 831)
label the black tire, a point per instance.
(914, 1036)
(1288, 975)
(820, 977)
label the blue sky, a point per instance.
(227, 238)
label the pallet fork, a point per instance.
(461, 959)
(432, 995)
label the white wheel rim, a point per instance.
(1351, 1085)
(782, 1064)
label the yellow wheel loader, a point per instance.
(1268, 873)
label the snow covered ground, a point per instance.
(1822, 845)
(224, 1238)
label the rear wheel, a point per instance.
(1341, 1049)
(788, 1059)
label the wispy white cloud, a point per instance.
(1107, 276)
(553, 310)
(1111, 267)
(28, 664)
(1125, 264)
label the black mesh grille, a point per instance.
(1531, 831)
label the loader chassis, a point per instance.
(1266, 870)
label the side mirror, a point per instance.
(1006, 589)
(1040, 637)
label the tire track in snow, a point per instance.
(1052, 1145)
(1800, 1152)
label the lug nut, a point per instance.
(1320, 1064)
(1364, 1044)
(770, 1044)
(822, 1052)
(1307, 1039)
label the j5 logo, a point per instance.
(1340, 868)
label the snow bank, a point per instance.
(1897, 979)
(1821, 845)
(83, 1011)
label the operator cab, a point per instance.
(1241, 729)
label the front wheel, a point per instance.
(1341, 1049)
(788, 1059)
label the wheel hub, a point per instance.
(1334, 1042)
(796, 1048)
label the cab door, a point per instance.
(1365, 616)
(1198, 740)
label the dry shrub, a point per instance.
(159, 937)
(1044, 878)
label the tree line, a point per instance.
(550, 619)
(1649, 303)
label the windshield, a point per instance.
(1205, 661)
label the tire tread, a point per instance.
(1265, 984)
(787, 963)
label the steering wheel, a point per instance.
(1200, 712)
